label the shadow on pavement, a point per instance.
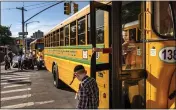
(20, 82)
(66, 88)
(11, 72)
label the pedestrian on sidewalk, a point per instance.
(31, 61)
(7, 61)
(11, 56)
(88, 93)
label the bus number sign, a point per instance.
(168, 54)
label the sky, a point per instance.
(10, 16)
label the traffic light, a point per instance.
(17, 42)
(75, 6)
(67, 8)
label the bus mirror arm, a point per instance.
(142, 27)
(139, 20)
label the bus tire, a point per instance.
(56, 81)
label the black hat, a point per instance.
(78, 68)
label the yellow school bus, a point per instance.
(37, 46)
(139, 75)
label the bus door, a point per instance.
(132, 50)
(100, 30)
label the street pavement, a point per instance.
(33, 89)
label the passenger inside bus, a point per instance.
(128, 46)
(109, 50)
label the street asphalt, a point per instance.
(33, 89)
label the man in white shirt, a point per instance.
(19, 62)
(31, 61)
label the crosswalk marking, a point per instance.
(22, 74)
(14, 76)
(15, 85)
(8, 77)
(14, 79)
(15, 97)
(16, 90)
(19, 105)
(5, 83)
(28, 104)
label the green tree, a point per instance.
(130, 12)
(5, 34)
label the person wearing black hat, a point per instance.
(88, 93)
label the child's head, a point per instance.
(80, 72)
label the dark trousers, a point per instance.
(31, 64)
(11, 62)
(20, 65)
(24, 64)
(7, 65)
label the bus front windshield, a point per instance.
(40, 46)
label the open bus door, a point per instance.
(131, 45)
(126, 86)
(101, 71)
(128, 78)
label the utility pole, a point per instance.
(22, 10)
(0, 13)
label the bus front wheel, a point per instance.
(57, 82)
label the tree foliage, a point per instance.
(130, 12)
(5, 34)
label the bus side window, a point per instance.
(61, 37)
(54, 39)
(66, 35)
(81, 31)
(139, 38)
(47, 40)
(100, 26)
(49, 37)
(88, 30)
(132, 35)
(58, 38)
(73, 33)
